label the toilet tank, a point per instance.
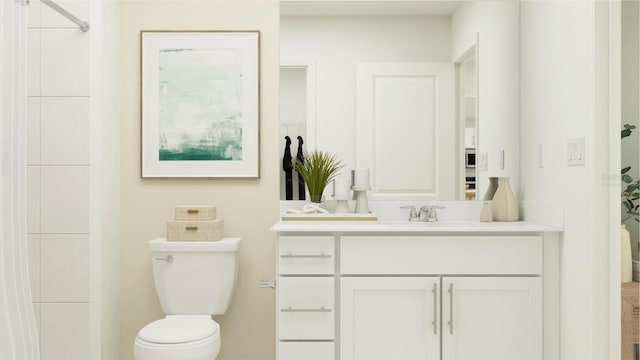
(194, 277)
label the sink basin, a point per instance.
(439, 224)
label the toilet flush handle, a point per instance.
(167, 258)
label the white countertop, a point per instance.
(401, 227)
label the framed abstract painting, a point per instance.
(200, 103)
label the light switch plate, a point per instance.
(484, 161)
(575, 152)
(501, 159)
(540, 156)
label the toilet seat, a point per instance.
(179, 337)
(179, 329)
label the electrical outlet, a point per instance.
(575, 152)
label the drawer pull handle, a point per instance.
(435, 309)
(167, 258)
(191, 228)
(192, 211)
(451, 308)
(296, 256)
(290, 309)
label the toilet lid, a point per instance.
(178, 329)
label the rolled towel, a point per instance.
(308, 208)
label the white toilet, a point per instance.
(194, 281)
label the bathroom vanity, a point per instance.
(405, 290)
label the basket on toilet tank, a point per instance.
(195, 223)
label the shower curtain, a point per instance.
(18, 337)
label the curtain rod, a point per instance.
(84, 26)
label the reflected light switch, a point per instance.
(484, 161)
(575, 152)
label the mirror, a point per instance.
(403, 88)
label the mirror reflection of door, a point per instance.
(406, 129)
(467, 100)
(297, 115)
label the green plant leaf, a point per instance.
(317, 170)
(631, 194)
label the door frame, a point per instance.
(472, 51)
(309, 65)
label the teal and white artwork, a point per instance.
(200, 104)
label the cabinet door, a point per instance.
(492, 318)
(389, 318)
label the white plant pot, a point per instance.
(626, 269)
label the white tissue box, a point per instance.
(195, 213)
(180, 230)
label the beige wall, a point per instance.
(248, 206)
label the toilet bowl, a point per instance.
(194, 281)
(184, 337)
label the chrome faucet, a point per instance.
(413, 214)
(431, 212)
(426, 213)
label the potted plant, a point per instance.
(317, 169)
(629, 197)
(631, 187)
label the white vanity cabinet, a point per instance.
(492, 318)
(401, 318)
(405, 296)
(389, 318)
(306, 297)
(482, 295)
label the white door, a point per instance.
(406, 133)
(492, 318)
(389, 318)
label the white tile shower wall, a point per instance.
(51, 19)
(33, 62)
(33, 131)
(58, 176)
(64, 62)
(64, 130)
(64, 331)
(34, 266)
(64, 264)
(64, 199)
(33, 199)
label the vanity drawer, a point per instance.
(302, 350)
(305, 308)
(305, 255)
(469, 255)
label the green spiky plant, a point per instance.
(631, 187)
(317, 170)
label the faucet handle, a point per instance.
(413, 214)
(433, 214)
